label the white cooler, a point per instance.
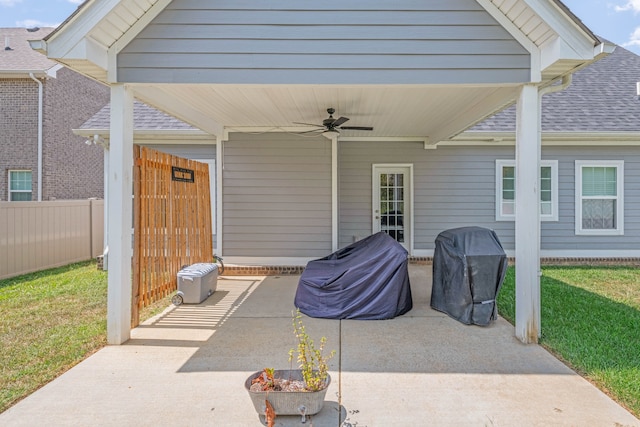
(196, 283)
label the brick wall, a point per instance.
(72, 169)
(18, 130)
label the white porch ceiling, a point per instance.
(433, 112)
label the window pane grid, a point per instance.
(508, 194)
(600, 200)
(392, 205)
(20, 186)
(599, 181)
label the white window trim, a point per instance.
(619, 165)
(553, 164)
(9, 190)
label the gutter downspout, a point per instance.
(40, 106)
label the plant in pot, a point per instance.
(294, 391)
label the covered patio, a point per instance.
(412, 70)
(188, 365)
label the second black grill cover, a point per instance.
(366, 280)
(469, 266)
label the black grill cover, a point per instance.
(469, 266)
(366, 280)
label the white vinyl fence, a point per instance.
(39, 235)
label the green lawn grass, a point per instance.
(50, 321)
(591, 321)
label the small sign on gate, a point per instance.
(182, 174)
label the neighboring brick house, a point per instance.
(70, 168)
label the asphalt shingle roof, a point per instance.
(144, 117)
(20, 56)
(601, 98)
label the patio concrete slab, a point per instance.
(187, 367)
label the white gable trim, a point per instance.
(78, 28)
(130, 34)
(520, 37)
(573, 37)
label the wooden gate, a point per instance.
(172, 223)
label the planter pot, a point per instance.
(288, 402)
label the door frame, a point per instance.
(408, 202)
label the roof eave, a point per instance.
(552, 138)
(150, 133)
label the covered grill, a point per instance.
(469, 266)
(366, 280)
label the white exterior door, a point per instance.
(392, 204)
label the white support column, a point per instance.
(220, 141)
(334, 193)
(528, 215)
(120, 215)
(105, 243)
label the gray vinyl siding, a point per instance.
(452, 187)
(277, 196)
(335, 41)
(455, 187)
(561, 235)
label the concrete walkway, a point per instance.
(187, 367)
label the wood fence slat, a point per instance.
(172, 223)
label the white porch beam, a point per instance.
(120, 214)
(527, 222)
(494, 101)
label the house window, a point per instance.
(19, 185)
(599, 197)
(506, 190)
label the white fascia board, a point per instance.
(78, 28)
(550, 138)
(155, 134)
(564, 26)
(574, 42)
(21, 74)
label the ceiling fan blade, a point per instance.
(338, 122)
(356, 128)
(308, 124)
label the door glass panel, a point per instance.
(392, 205)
